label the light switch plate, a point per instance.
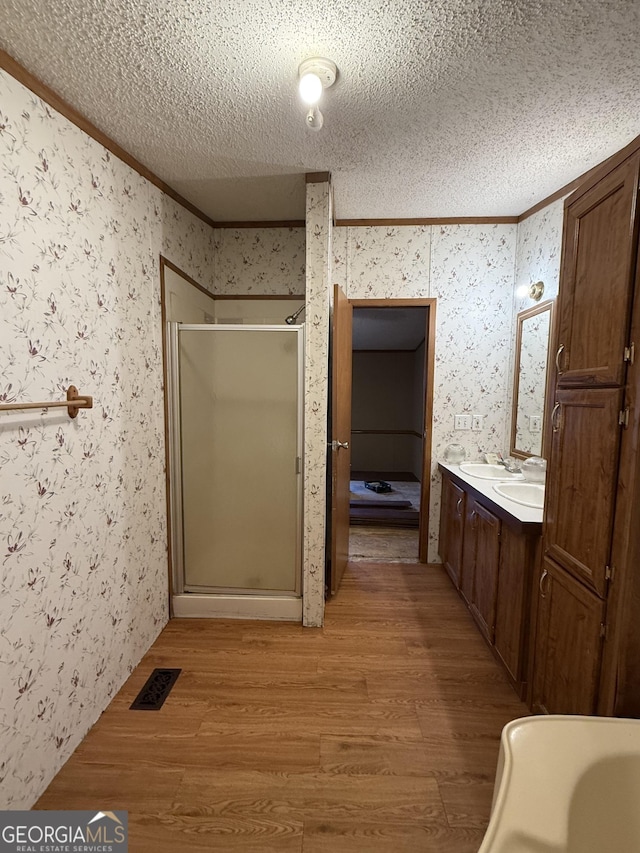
(476, 423)
(535, 423)
(462, 422)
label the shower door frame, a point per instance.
(175, 458)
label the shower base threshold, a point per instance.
(284, 608)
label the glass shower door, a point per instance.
(237, 437)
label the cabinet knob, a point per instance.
(458, 505)
(554, 419)
(558, 354)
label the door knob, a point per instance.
(339, 445)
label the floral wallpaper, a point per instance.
(538, 253)
(472, 278)
(82, 503)
(382, 262)
(264, 261)
(318, 277)
(469, 270)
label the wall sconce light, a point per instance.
(315, 75)
(534, 291)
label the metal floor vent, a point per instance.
(156, 689)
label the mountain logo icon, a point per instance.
(99, 815)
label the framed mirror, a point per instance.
(530, 379)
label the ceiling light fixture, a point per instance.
(314, 76)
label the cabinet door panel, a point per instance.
(597, 277)
(582, 481)
(517, 552)
(568, 645)
(453, 564)
(485, 579)
(469, 550)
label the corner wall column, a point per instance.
(318, 294)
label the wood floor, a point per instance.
(378, 732)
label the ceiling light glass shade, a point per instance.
(310, 88)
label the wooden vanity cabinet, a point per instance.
(487, 530)
(497, 555)
(453, 503)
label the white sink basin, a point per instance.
(488, 472)
(527, 494)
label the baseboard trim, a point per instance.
(279, 608)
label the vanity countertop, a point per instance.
(525, 517)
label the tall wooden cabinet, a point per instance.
(585, 649)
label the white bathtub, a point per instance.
(566, 785)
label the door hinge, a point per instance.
(623, 418)
(609, 572)
(603, 630)
(298, 464)
(630, 353)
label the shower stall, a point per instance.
(235, 434)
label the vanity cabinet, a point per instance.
(452, 516)
(486, 555)
(587, 643)
(490, 556)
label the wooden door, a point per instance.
(597, 273)
(485, 578)
(452, 512)
(583, 474)
(568, 644)
(340, 435)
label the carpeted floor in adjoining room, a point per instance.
(383, 544)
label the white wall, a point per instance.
(82, 503)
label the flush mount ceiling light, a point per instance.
(314, 76)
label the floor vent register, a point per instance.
(156, 689)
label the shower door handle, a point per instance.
(339, 445)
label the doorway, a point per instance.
(388, 403)
(382, 402)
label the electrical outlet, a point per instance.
(462, 422)
(476, 423)
(535, 423)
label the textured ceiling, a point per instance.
(441, 108)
